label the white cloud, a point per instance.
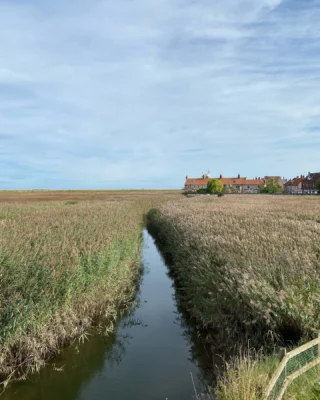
(125, 92)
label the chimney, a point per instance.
(220, 176)
(238, 176)
(186, 177)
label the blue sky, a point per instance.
(139, 93)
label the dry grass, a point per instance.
(62, 264)
(248, 270)
(247, 263)
(86, 195)
(246, 377)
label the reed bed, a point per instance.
(247, 267)
(62, 265)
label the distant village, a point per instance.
(298, 185)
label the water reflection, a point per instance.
(65, 378)
(150, 355)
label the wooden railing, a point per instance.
(292, 365)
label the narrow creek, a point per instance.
(152, 355)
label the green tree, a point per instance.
(215, 186)
(263, 189)
(318, 186)
(272, 186)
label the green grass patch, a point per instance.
(306, 387)
(70, 202)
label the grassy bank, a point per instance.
(247, 266)
(63, 264)
(60, 266)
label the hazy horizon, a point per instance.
(132, 94)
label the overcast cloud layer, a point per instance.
(137, 93)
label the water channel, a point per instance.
(150, 356)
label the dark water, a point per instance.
(151, 355)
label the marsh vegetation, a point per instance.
(62, 265)
(247, 268)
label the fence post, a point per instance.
(316, 335)
(282, 353)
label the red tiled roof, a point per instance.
(197, 181)
(233, 181)
(254, 182)
(225, 181)
(294, 182)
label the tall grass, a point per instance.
(245, 377)
(61, 266)
(247, 266)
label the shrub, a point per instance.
(202, 191)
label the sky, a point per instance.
(104, 94)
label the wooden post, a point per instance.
(316, 335)
(282, 353)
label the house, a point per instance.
(253, 185)
(194, 184)
(231, 185)
(310, 181)
(241, 184)
(294, 186)
(234, 185)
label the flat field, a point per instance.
(86, 195)
(62, 264)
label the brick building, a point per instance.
(310, 181)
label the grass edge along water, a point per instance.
(245, 237)
(62, 266)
